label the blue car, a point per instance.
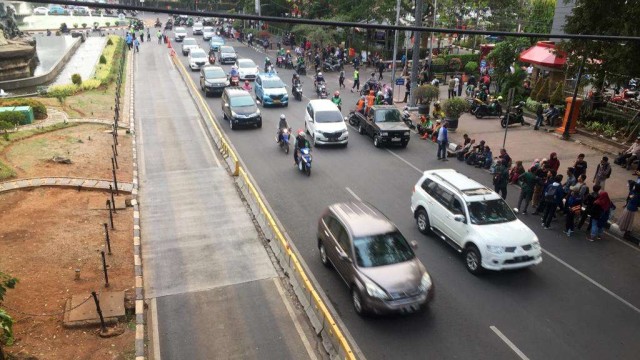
(270, 90)
(215, 43)
(57, 10)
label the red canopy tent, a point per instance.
(544, 54)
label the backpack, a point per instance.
(550, 194)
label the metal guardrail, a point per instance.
(314, 305)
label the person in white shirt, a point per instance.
(530, 70)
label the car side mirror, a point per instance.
(226, 105)
(459, 218)
(414, 244)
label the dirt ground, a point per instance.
(45, 235)
(88, 146)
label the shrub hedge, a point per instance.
(13, 117)
(39, 110)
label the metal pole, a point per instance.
(104, 268)
(473, 49)
(113, 171)
(106, 234)
(103, 327)
(435, 10)
(565, 134)
(115, 156)
(395, 47)
(415, 56)
(110, 214)
(510, 102)
(113, 201)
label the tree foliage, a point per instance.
(504, 55)
(6, 322)
(540, 17)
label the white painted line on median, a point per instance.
(208, 140)
(509, 343)
(405, 161)
(609, 233)
(302, 335)
(353, 194)
(155, 334)
(597, 284)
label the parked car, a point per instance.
(179, 34)
(384, 124)
(373, 258)
(474, 220)
(247, 68)
(216, 42)
(40, 11)
(213, 80)
(239, 107)
(197, 28)
(188, 44)
(57, 10)
(197, 58)
(270, 90)
(227, 55)
(324, 122)
(207, 33)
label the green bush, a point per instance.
(84, 25)
(90, 84)
(75, 25)
(103, 60)
(39, 110)
(108, 71)
(557, 98)
(438, 61)
(76, 79)
(454, 107)
(464, 58)
(62, 91)
(13, 117)
(108, 23)
(109, 41)
(471, 67)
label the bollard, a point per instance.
(113, 171)
(77, 274)
(110, 213)
(106, 235)
(103, 327)
(113, 201)
(104, 268)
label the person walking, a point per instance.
(136, 44)
(141, 35)
(356, 80)
(603, 172)
(501, 178)
(341, 80)
(459, 86)
(148, 35)
(580, 166)
(380, 69)
(553, 195)
(129, 40)
(625, 222)
(159, 36)
(539, 117)
(527, 183)
(452, 86)
(407, 90)
(443, 140)
(600, 212)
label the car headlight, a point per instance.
(384, 133)
(317, 132)
(425, 283)
(233, 113)
(407, 133)
(375, 291)
(227, 83)
(258, 112)
(495, 249)
(536, 245)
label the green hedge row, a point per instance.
(13, 117)
(39, 110)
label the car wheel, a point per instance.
(356, 300)
(361, 129)
(473, 260)
(422, 220)
(404, 144)
(376, 141)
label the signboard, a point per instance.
(400, 81)
(483, 63)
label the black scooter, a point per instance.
(297, 91)
(514, 117)
(487, 110)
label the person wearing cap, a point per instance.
(630, 155)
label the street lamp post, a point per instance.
(415, 57)
(435, 10)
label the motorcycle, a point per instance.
(406, 117)
(304, 161)
(487, 110)
(212, 58)
(283, 140)
(321, 90)
(297, 91)
(280, 61)
(352, 118)
(288, 64)
(515, 117)
(474, 104)
(370, 86)
(234, 81)
(301, 69)
(158, 24)
(335, 65)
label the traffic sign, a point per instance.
(400, 81)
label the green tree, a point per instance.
(557, 98)
(540, 17)
(6, 321)
(543, 94)
(504, 55)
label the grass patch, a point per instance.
(7, 172)
(96, 103)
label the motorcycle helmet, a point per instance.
(234, 67)
(336, 94)
(283, 117)
(379, 93)
(300, 132)
(320, 73)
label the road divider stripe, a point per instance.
(506, 340)
(341, 344)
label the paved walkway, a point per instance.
(64, 182)
(83, 61)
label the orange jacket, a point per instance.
(360, 105)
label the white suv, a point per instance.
(324, 122)
(474, 220)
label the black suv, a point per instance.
(213, 79)
(384, 124)
(239, 107)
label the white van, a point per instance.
(325, 124)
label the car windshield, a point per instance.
(179, 29)
(391, 115)
(242, 101)
(490, 212)
(226, 49)
(214, 74)
(272, 83)
(328, 117)
(246, 63)
(190, 42)
(381, 250)
(217, 40)
(198, 54)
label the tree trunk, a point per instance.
(2, 356)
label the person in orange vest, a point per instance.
(370, 100)
(360, 105)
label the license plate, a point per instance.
(521, 258)
(395, 139)
(276, 101)
(410, 308)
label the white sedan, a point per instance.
(247, 69)
(40, 11)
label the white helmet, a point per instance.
(282, 117)
(234, 67)
(320, 74)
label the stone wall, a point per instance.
(17, 60)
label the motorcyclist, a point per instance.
(319, 79)
(295, 80)
(282, 124)
(300, 61)
(281, 51)
(234, 71)
(287, 56)
(247, 86)
(337, 100)
(267, 64)
(316, 60)
(300, 142)
(379, 98)
(495, 105)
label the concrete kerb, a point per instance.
(314, 313)
(61, 182)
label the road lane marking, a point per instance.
(636, 248)
(207, 139)
(509, 343)
(353, 194)
(296, 324)
(405, 161)
(601, 287)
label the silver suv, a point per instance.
(373, 258)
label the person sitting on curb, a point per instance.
(460, 153)
(626, 158)
(425, 128)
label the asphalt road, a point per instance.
(580, 303)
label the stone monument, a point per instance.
(18, 57)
